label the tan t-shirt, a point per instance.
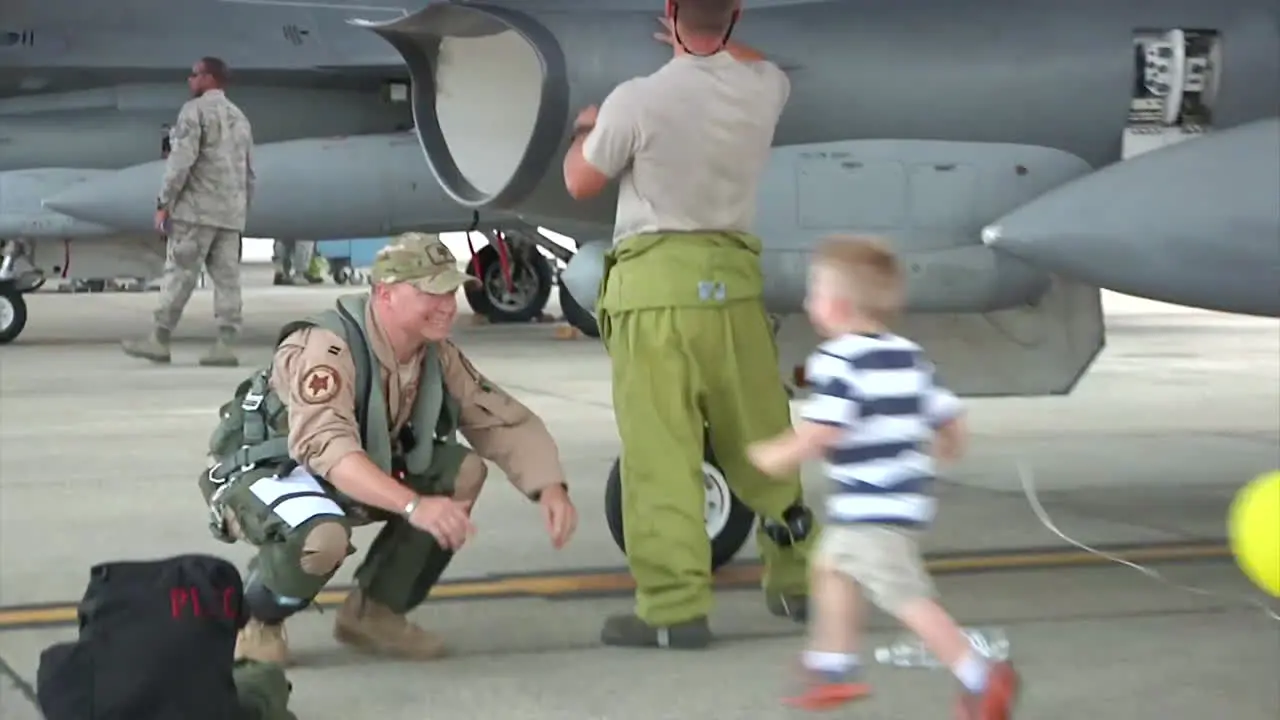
(689, 143)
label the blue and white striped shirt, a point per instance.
(880, 389)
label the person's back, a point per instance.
(215, 192)
(703, 131)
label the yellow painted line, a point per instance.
(566, 585)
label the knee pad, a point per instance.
(324, 548)
(267, 607)
(796, 525)
(471, 477)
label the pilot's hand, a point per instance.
(559, 514)
(162, 222)
(448, 520)
(667, 35)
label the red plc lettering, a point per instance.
(229, 597)
(185, 602)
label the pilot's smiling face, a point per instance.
(423, 313)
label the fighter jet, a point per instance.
(86, 97)
(1018, 155)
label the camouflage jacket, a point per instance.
(208, 177)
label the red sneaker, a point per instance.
(997, 702)
(827, 695)
(820, 693)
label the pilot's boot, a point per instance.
(154, 347)
(371, 627)
(221, 354)
(263, 643)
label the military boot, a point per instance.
(264, 643)
(631, 631)
(221, 354)
(154, 347)
(371, 627)
(788, 605)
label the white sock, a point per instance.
(830, 662)
(972, 671)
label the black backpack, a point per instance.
(156, 642)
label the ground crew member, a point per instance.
(203, 201)
(293, 260)
(682, 316)
(354, 422)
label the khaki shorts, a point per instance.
(883, 559)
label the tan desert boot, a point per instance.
(263, 643)
(370, 627)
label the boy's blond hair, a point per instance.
(869, 273)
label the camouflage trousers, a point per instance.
(190, 246)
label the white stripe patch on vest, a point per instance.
(295, 510)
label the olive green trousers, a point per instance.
(683, 319)
(403, 562)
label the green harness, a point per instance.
(253, 427)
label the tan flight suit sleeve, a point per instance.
(314, 375)
(500, 428)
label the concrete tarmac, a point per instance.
(99, 452)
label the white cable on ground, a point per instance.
(1027, 477)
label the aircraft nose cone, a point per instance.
(124, 200)
(1020, 240)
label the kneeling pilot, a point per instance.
(355, 422)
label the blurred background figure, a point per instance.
(293, 261)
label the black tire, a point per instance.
(724, 546)
(576, 315)
(11, 297)
(525, 264)
(340, 270)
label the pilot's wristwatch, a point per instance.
(412, 505)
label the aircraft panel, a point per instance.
(835, 191)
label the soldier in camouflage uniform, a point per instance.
(203, 201)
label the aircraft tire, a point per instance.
(733, 521)
(576, 315)
(13, 313)
(529, 267)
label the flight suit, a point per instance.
(682, 316)
(302, 525)
(207, 188)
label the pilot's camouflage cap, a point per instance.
(422, 259)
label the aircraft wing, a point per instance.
(64, 45)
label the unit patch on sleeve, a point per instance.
(319, 384)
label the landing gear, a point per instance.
(13, 312)
(515, 279)
(17, 276)
(728, 521)
(343, 273)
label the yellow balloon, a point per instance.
(1254, 528)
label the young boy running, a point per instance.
(878, 419)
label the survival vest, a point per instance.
(253, 427)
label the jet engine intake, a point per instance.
(490, 97)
